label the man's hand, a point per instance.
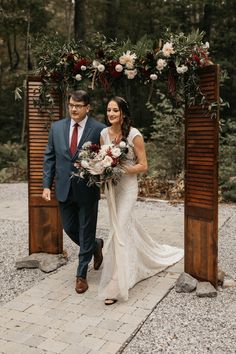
(46, 194)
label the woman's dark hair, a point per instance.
(124, 108)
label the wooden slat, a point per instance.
(201, 183)
(45, 230)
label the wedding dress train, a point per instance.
(130, 254)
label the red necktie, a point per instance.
(74, 139)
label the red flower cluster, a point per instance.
(112, 71)
(77, 66)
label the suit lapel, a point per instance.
(66, 134)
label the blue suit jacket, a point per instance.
(59, 164)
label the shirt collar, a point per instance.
(81, 124)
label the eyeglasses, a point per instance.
(76, 106)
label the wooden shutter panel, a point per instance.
(45, 230)
(201, 183)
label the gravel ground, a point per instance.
(181, 323)
(185, 323)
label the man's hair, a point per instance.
(80, 95)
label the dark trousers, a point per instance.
(79, 223)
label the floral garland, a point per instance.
(175, 60)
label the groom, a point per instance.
(78, 203)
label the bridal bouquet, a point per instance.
(98, 164)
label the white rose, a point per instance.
(153, 77)
(161, 63)
(78, 77)
(95, 64)
(101, 68)
(167, 49)
(122, 144)
(118, 68)
(83, 67)
(131, 73)
(84, 164)
(97, 168)
(107, 161)
(116, 152)
(103, 149)
(182, 69)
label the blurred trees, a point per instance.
(24, 22)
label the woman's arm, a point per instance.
(101, 141)
(139, 150)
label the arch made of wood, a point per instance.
(201, 180)
(45, 230)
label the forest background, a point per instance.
(26, 24)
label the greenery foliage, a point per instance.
(227, 165)
(13, 163)
(168, 136)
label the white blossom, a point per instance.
(96, 63)
(78, 77)
(167, 49)
(104, 148)
(107, 161)
(122, 144)
(128, 59)
(118, 68)
(97, 168)
(161, 63)
(84, 164)
(83, 67)
(131, 73)
(181, 69)
(101, 68)
(153, 77)
(116, 152)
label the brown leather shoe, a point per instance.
(98, 257)
(81, 285)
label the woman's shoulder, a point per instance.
(133, 133)
(104, 131)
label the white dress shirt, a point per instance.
(80, 129)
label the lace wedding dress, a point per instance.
(130, 254)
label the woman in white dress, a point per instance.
(130, 254)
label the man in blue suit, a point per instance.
(78, 203)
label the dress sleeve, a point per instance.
(104, 134)
(132, 134)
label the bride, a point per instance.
(130, 254)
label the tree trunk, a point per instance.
(79, 20)
(69, 13)
(17, 56)
(207, 21)
(112, 12)
(9, 50)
